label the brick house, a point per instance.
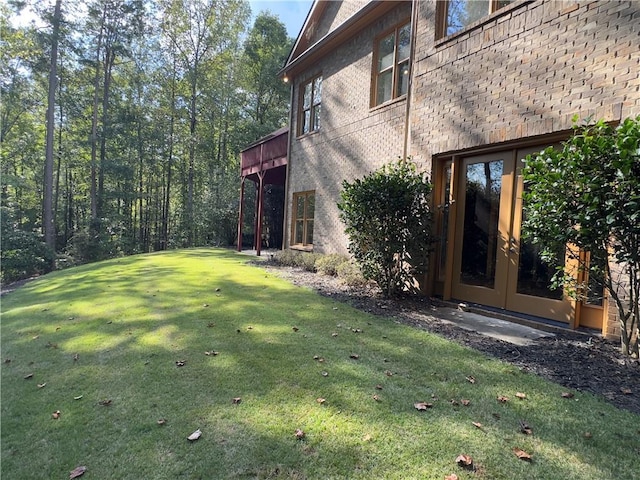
(467, 88)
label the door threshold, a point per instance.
(540, 323)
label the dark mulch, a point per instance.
(574, 360)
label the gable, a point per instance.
(329, 24)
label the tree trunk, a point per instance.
(48, 223)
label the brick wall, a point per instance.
(353, 139)
(524, 71)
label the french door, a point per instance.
(492, 263)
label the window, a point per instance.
(310, 106)
(458, 14)
(391, 72)
(303, 209)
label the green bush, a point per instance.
(349, 274)
(328, 264)
(388, 221)
(292, 258)
(24, 255)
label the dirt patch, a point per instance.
(574, 360)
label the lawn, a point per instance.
(138, 353)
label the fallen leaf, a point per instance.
(7, 360)
(249, 327)
(161, 421)
(77, 472)
(453, 476)
(354, 356)
(334, 334)
(205, 305)
(356, 330)
(477, 425)
(28, 376)
(525, 428)
(521, 454)
(520, 395)
(567, 395)
(367, 438)
(465, 402)
(79, 397)
(295, 329)
(471, 379)
(376, 398)
(300, 434)
(236, 400)
(316, 357)
(626, 391)
(496, 416)
(388, 373)
(56, 415)
(76, 357)
(105, 403)
(320, 400)
(325, 374)
(181, 363)
(378, 387)
(503, 399)
(422, 405)
(212, 353)
(465, 461)
(211, 325)
(194, 436)
(42, 385)
(588, 435)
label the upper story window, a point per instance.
(310, 106)
(458, 14)
(391, 65)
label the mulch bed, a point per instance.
(573, 360)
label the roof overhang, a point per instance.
(303, 56)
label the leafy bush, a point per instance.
(24, 255)
(328, 264)
(292, 258)
(587, 194)
(388, 222)
(349, 274)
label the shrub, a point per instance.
(349, 274)
(328, 264)
(587, 194)
(388, 222)
(292, 258)
(24, 255)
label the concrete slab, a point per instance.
(492, 327)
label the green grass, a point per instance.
(129, 320)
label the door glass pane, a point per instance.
(534, 275)
(444, 228)
(483, 184)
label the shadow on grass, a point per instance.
(130, 320)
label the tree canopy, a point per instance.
(148, 104)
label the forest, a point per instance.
(121, 124)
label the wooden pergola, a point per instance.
(264, 162)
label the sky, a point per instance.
(291, 12)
